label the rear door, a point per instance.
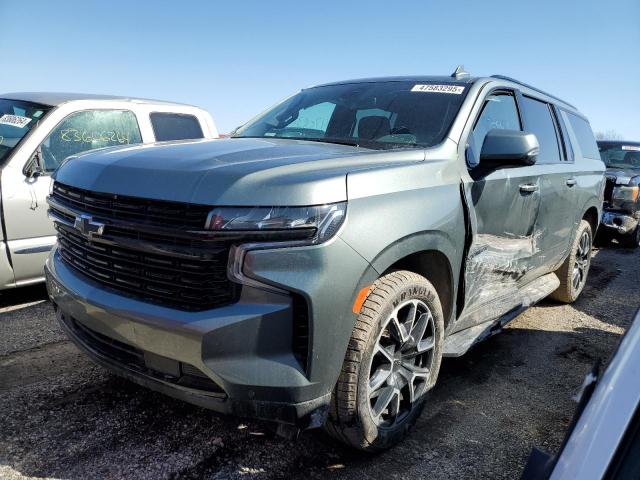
(503, 206)
(557, 215)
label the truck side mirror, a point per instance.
(509, 148)
(33, 168)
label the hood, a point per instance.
(622, 172)
(241, 171)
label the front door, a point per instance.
(503, 204)
(30, 233)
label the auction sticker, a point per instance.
(14, 120)
(455, 89)
(635, 148)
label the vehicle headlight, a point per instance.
(626, 193)
(315, 224)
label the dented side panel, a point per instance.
(504, 252)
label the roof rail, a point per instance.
(509, 79)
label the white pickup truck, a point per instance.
(39, 130)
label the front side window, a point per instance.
(17, 118)
(620, 154)
(540, 122)
(499, 112)
(88, 130)
(379, 115)
(175, 126)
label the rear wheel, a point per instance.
(631, 240)
(392, 361)
(575, 269)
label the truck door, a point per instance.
(30, 233)
(503, 204)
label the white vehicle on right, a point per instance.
(603, 441)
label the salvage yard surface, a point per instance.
(63, 417)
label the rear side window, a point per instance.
(584, 135)
(538, 120)
(175, 126)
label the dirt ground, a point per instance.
(63, 417)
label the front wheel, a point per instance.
(575, 269)
(392, 361)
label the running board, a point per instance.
(459, 343)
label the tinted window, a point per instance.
(538, 120)
(17, 118)
(499, 112)
(87, 130)
(175, 126)
(586, 140)
(619, 154)
(370, 114)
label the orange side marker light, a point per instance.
(362, 296)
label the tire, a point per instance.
(577, 263)
(631, 240)
(370, 377)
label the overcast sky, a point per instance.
(238, 58)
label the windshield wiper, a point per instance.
(353, 142)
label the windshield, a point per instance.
(620, 155)
(17, 118)
(394, 114)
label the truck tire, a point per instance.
(392, 362)
(575, 269)
(631, 240)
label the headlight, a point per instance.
(626, 193)
(316, 223)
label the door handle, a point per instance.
(571, 182)
(528, 187)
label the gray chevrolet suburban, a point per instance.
(314, 269)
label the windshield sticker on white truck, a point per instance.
(455, 89)
(634, 148)
(14, 120)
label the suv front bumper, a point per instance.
(235, 359)
(620, 222)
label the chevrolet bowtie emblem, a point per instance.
(85, 225)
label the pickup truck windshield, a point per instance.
(379, 115)
(620, 155)
(17, 118)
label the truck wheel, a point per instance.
(631, 240)
(575, 269)
(392, 361)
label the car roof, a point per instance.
(410, 78)
(461, 80)
(619, 142)
(54, 99)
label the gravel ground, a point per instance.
(63, 417)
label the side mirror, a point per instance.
(33, 168)
(509, 147)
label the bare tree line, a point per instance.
(608, 135)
